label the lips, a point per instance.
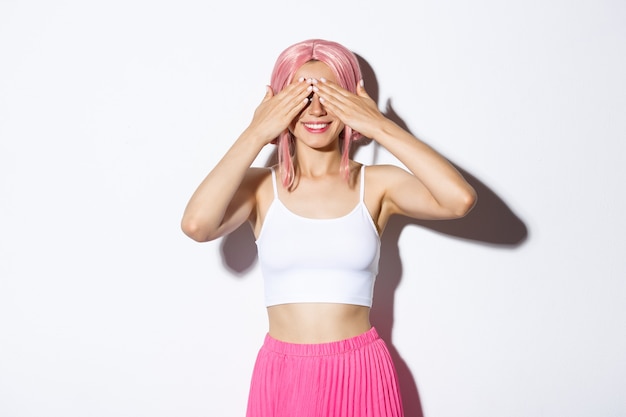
(316, 127)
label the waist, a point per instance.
(317, 322)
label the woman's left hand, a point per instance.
(358, 110)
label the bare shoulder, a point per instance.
(384, 169)
(383, 184)
(377, 182)
(257, 182)
(379, 177)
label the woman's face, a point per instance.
(315, 126)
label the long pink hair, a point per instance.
(344, 65)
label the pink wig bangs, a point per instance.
(344, 65)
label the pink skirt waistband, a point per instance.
(320, 349)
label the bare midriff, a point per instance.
(317, 322)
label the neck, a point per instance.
(319, 166)
(315, 162)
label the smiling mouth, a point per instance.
(316, 126)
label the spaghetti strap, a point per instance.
(362, 189)
(274, 183)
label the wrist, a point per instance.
(384, 129)
(253, 139)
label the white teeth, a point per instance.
(316, 125)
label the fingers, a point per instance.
(358, 110)
(328, 90)
(333, 95)
(276, 111)
(294, 97)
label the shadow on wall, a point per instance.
(491, 222)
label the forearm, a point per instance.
(442, 179)
(208, 205)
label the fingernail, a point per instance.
(322, 99)
(315, 89)
(362, 83)
(300, 79)
(323, 79)
(309, 88)
(314, 81)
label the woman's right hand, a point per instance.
(276, 112)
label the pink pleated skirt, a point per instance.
(348, 378)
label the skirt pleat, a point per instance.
(348, 378)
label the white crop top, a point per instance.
(318, 260)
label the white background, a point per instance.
(112, 112)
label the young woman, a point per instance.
(317, 217)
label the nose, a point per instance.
(316, 108)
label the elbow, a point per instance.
(193, 230)
(466, 202)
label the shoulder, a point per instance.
(382, 169)
(254, 182)
(381, 176)
(379, 180)
(258, 181)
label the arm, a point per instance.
(224, 199)
(227, 196)
(435, 190)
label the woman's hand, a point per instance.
(358, 110)
(276, 112)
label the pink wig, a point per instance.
(344, 65)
